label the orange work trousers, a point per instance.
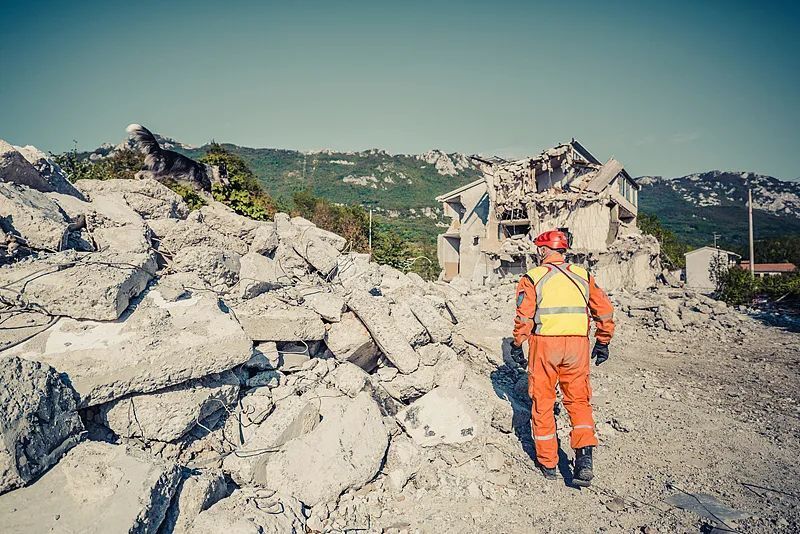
(563, 360)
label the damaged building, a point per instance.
(495, 218)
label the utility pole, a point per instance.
(716, 236)
(750, 220)
(370, 232)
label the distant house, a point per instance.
(769, 269)
(495, 218)
(700, 263)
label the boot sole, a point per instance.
(581, 483)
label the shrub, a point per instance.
(672, 248)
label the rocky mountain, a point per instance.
(698, 205)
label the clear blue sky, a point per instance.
(668, 88)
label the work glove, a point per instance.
(600, 352)
(517, 354)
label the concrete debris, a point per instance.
(265, 239)
(156, 344)
(97, 286)
(349, 340)
(408, 325)
(168, 414)
(96, 488)
(443, 416)
(33, 218)
(252, 510)
(48, 169)
(39, 421)
(194, 494)
(265, 318)
(376, 318)
(343, 452)
(329, 306)
(16, 169)
(147, 197)
(439, 329)
(217, 268)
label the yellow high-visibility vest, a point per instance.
(562, 294)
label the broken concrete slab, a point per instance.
(442, 416)
(412, 386)
(265, 353)
(49, 170)
(196, 492)
(375, 316)
(258, 274)
(168, 414)
(156, 344)
(349, 340)
(329, 306)
(39, 421)
(265, 318)
(343, 452)
(147, 197)
(15, 169)
(222, 219)
(439, 328)
(33, 217)
(308, 228)
(96, 488)
(252, 511)
(293, 417)
(348, 378)
(408, 325)
(355, 272)
(265, 239)
(402, 461)
(216, 267)
(319, 254)
(190, 232)
(96, 286)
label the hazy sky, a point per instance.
(668, 88)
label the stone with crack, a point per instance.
(349, 340)
(442, 416)
(408, 325)
(375, 316)
(39, 421)
(343, 452)
(156, 344)
(32, 216)
(329, 306)
(196, 492)
(147, 197)
(97, 286)
(168, 414)
(265, 318)
(96, 488)
(257, 274)
(252, 511)
(216, 267)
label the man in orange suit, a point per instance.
(556, 302)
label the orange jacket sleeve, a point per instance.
(526, 307)
(602, 312)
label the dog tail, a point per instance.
(145, 140)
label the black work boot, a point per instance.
(582, 473)
(549, 473)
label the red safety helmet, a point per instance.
(554, 239)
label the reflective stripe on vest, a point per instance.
(561, 308)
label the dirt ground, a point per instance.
(677, 414)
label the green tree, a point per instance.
(672, 248)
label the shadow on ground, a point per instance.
(509, 381)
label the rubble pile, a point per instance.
(176, 371)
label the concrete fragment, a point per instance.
(670, 319)
(308, 228)
(269, 378)
(349, 340)
(355, 272)
(265, 318)
(265, 354)
(257, 274)
(220, 218)
(38, 423)
(439, 328)
(168, 414)
(256, 406)
(95, 286)
(348, 378)
(329, 306)
(343, 452)
(402, 461)
(15, 169)
(31, 215)
(408, 325)
(48, 170)
(414, 385)
(293, 417)
(194, 494)
(156, 344)
(265, 239)
(216, 267)
(190, 232)
(252, 511)
(319, 254)
(96, 488)
(375, 316)
(442, 416)
(147, 197)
